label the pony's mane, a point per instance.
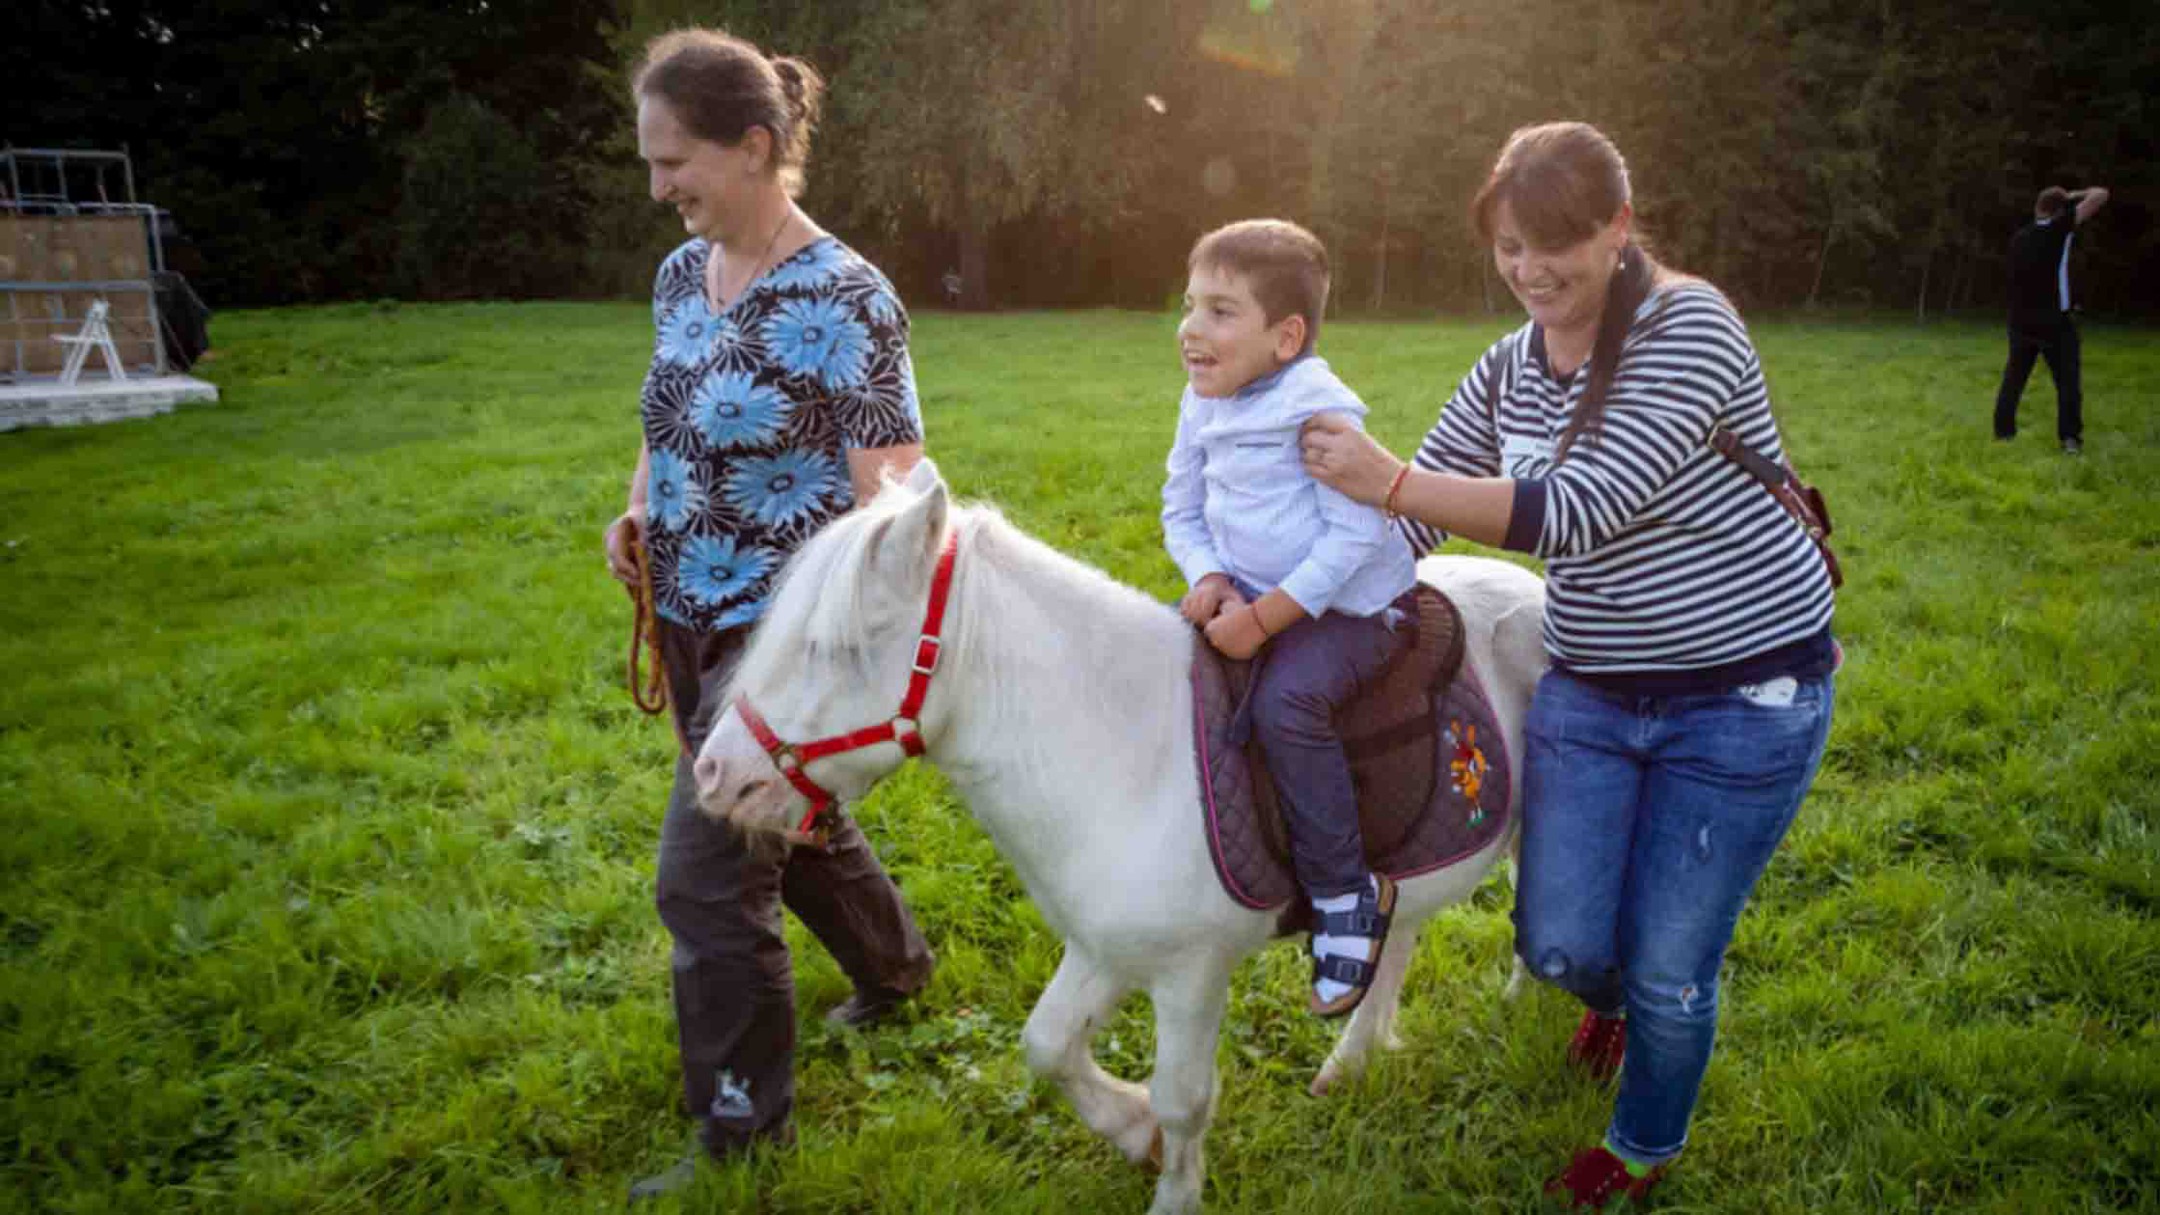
(1002, 548)
(827, 602)
(820, 601)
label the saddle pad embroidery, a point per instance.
(1466, 770)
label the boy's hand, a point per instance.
(1209, 598)
(1236, 633)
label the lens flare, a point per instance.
(1219, 177)
(1250, 36)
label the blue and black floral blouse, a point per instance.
(749, 416)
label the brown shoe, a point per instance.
(677, 1179)
(861, 1010)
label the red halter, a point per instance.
(902, 728)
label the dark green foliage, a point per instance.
(1800, 151)
(278, 131)
(470, 177)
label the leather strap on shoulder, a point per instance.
(1757, 465)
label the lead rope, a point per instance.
(649, 689)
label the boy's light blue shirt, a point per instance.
(1239, 502)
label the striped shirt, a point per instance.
(1661, 555)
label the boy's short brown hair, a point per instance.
(1286, 265)
(2051, 202)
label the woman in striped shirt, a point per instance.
(1687, 617)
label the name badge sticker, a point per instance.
(1520, 452)
(1776, 694)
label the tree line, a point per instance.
(1798, 152)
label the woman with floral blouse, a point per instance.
(780, 390)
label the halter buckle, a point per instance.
(927, 650)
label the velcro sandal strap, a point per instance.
(1352, 972)
(1364, 921)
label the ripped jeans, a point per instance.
(1646, 822)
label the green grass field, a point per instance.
(328, 825)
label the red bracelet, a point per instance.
(1258, 623)
(1387, 504)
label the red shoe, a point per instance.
(1600, 1043)
(1596, 1175)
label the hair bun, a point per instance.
(802, 85)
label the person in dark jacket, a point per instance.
(2041, 308)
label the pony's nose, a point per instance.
(707, 772)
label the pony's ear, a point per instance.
(924, 475)
(918, 531)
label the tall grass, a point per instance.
(327, 835)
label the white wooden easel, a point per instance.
(95, 333)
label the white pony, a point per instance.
(1060, 709)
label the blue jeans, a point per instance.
(1646, 822)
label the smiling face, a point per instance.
(708, 183)
(1226, 339)
(1563, 289)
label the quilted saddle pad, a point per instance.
(1433, 789)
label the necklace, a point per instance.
(757, 268)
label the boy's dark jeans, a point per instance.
(1307, 673)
